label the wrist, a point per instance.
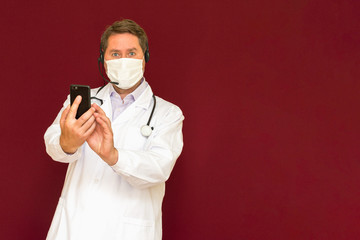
(65, 148)
(113, 157)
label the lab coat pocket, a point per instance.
(134, 139)
(137, 229)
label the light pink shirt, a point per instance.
(119, 105)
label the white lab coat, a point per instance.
(123, 201)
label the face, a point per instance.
(123, 45)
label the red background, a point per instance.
(270, 94)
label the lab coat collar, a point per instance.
(144, 100)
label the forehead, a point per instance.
(123, 41)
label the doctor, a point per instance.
(115, 182)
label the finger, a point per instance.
(91, 128)
(105, 125)
(103, 118)
(86, 116)
(98, 109)
(85, 127)
(74, 107)
(100, 113)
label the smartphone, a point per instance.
(84, 92)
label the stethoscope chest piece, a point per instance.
(146, 130)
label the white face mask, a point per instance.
(124, 71)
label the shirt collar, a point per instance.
(134, 94)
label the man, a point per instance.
(115, 182)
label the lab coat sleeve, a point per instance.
(153, 166)
(52, 141)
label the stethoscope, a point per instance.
(145, 130)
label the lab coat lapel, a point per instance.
(143, 102)
(104, 95)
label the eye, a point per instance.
(131, 54)
(115, 54)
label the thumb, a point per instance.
(74, 106)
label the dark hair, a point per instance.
(124, 26)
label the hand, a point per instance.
(101, 139)
(74, 131)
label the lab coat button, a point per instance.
(96, 180)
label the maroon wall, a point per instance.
(269, 90)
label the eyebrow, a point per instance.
(130, 49)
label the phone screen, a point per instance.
(84, 92)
